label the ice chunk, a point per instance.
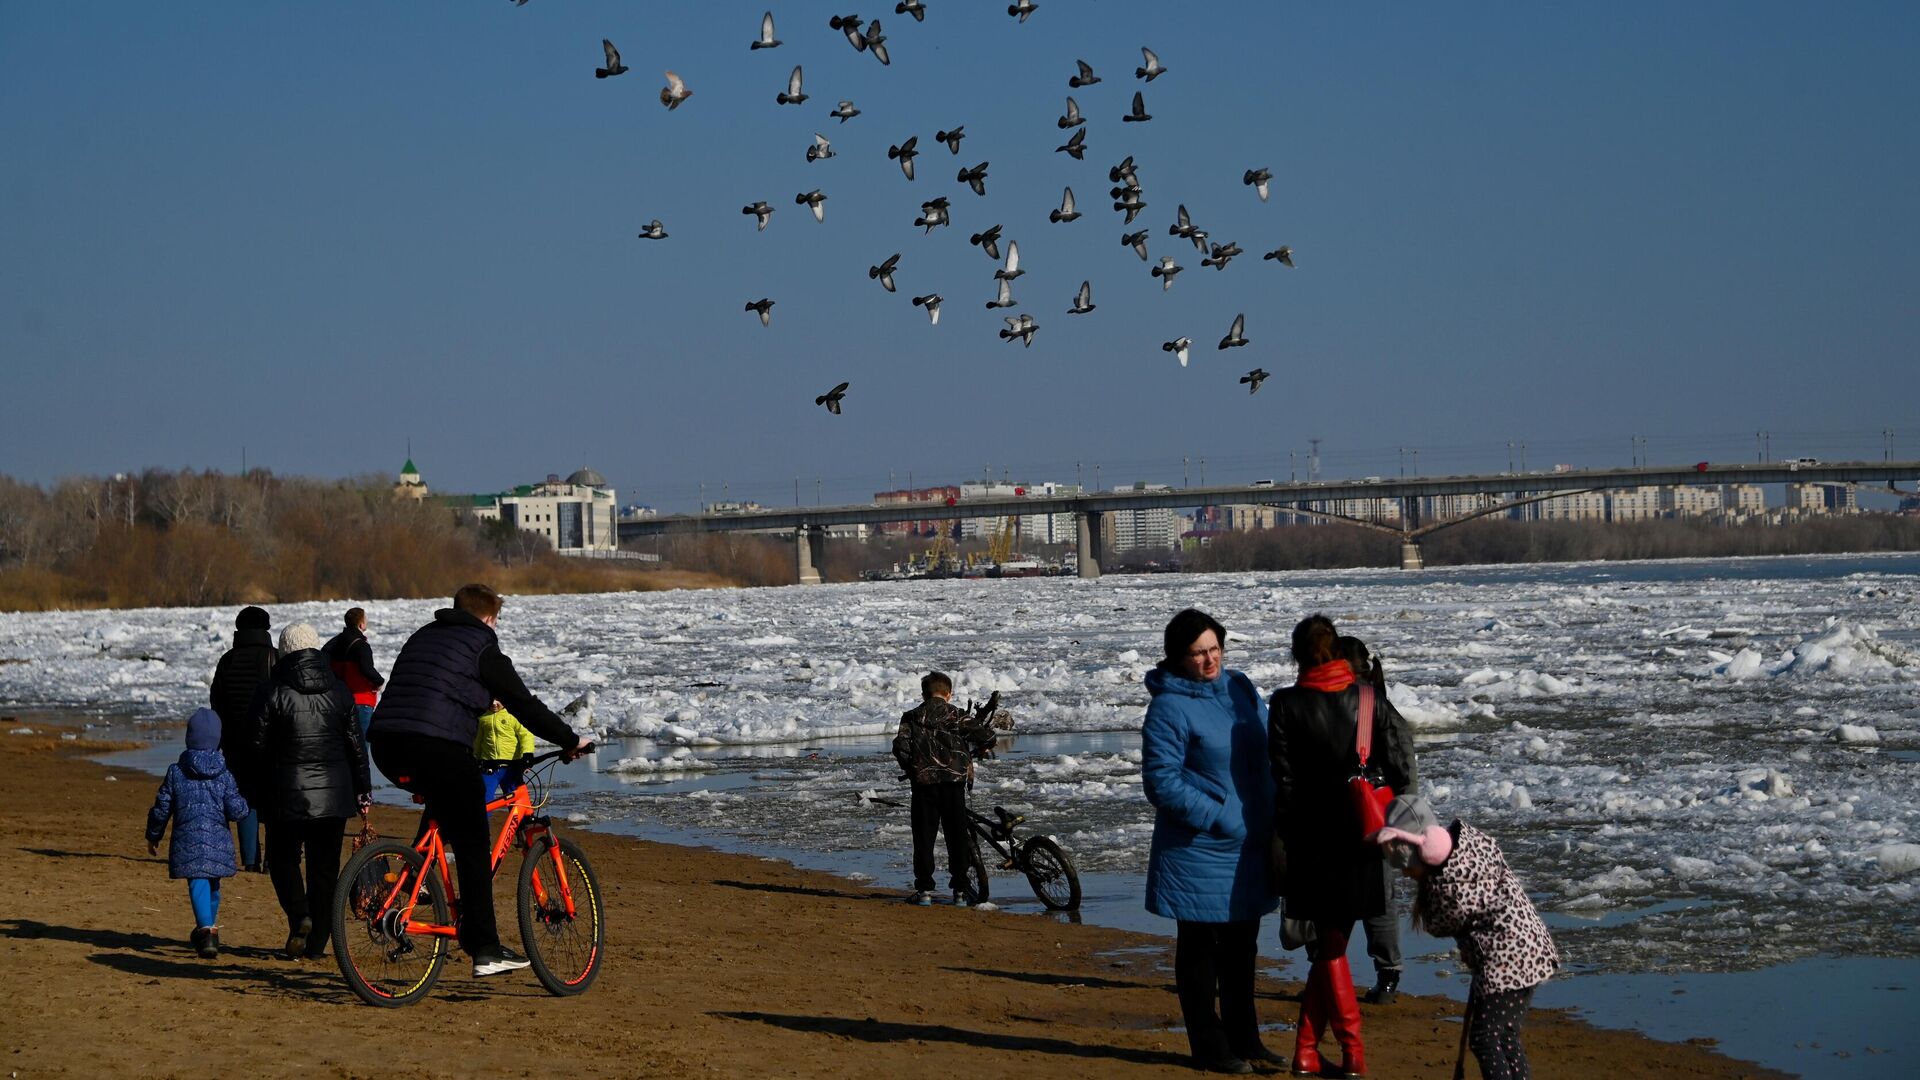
(1856, 733)
(1896, 858)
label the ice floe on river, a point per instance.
(1702, 765)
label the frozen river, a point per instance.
(1697, 767)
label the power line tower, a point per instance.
(1313, 459)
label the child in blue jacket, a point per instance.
(199, 796)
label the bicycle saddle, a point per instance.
(1008, 820)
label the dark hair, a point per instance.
(478, 601)
(1185, 628)
(356, 616)
(252, 618)
(934, 683)
(1365, 665)
(1315, 641)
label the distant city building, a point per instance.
(1686, 500)
(1634, 504)
(1743, 499)
(637, 512)
(1580, 506)
(578, 515)
(1821, 499)
(410, 485)
(1144, 530)
(930, 496)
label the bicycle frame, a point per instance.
(519, 829)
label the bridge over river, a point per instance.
(808, 524)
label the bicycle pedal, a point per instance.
(1006, 864)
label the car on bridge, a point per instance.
(1261, 483)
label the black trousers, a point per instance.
(1494, 1034)
(445, 774)
(940, 808)
(318, 839)
(1214, 961)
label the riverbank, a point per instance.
(717, 963)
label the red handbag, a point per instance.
(1369, 799)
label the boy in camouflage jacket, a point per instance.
(935, 746)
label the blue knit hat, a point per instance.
(203, 730)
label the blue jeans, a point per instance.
(249, 827)
(365, 713)
(205, 894)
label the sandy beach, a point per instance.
(718, 964)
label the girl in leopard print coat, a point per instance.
(1467, 892)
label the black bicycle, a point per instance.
(1040, 858)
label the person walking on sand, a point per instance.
(1331, 876)
(1383, 930)
(1468, 893)
(352, 660)
(240, 673)
(314, 776)
(1204, 766)
(935, 746)
(199, 796)
(422, 736)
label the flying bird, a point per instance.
(915, 8)
(1257, 180)
(975, 178)
(904, 154)
(877, 43)
(761, 212)
(767, 40)
(821, 149)
(1253, 379)
(1221, 255)
(1082, 300)
(988, 241)
(1132, 205)
(813, 201)
(1086, 77)
(832, 398)
(765, 307)
(1073, 117)
(1076, 147)
(1178, 347)
(675, 92)
(934, 213)
(1066, 211)
(793, 95)
(1152, 70)
(844, 112)
(1012, 269)
(654, 231)
(1005, 297)
(1283, 254)
(931, 302)
(1139, 115)
(1124, 170)
(850, 26)
(614, 66)
(1022, 8)
(1166, 272)
(1185, 227)
(951, 138)
(1020, 326)
(1137, 241)
(884, 272)
(1236, 336)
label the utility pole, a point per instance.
(1403, 463)
(1523, 455)
(703, 496)
(1886, 452)
(1203, 472)
(816, 491)
(1416, 461)
(1509, 457)
(796, 491)
(1292, 473)
(1079, 480)
(1096, 476)
(1184, 481)
(1313, 459)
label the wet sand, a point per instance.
(718, 964)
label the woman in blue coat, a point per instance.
(1204, 765)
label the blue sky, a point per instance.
(320, 231)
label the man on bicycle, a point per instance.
(422, 736)
(935, 747)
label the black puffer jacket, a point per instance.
(239, 675)
(307, 743)
(1333, 875)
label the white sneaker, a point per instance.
(498, 962)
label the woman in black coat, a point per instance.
(313, 776)
(1332, 875)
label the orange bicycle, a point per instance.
(395, 914)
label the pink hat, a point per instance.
(1411, 821)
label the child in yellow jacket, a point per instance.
(501, 738)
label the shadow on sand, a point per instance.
(806, 890)
(1044, 978)
(882, 1031)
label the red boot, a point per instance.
(1343, 1015)
(1313, 1009)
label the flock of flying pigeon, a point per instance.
(1128, 193)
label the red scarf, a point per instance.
(1330, 677)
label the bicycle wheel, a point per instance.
(383, 964)
(566, 950)
(974, 882)
(1050, 873)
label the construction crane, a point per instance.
(1001, 548)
